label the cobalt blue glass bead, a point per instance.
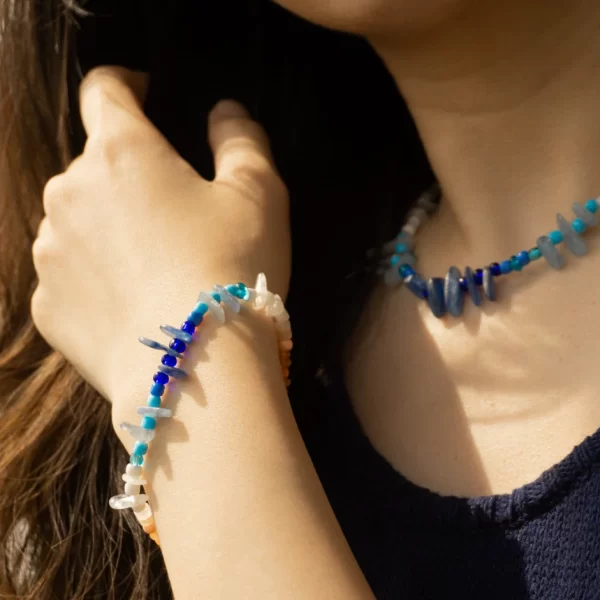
(178, 345)
(495, 269)
(158, 389)
(161, 378)
(478, 276)
(505, 267)
(405, 271)
(463, 284)
(188, 327)
(170, 361)
(523, 257)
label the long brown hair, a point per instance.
(59, 456)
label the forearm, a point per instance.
(239, 508)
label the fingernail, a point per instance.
(229, 109)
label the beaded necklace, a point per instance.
(446, 295)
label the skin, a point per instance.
(505, 97)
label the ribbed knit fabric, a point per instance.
(541, 542)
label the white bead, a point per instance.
(410, 229)
(125, 501)
(261, 283)
(133, 470)
(419, 213)
(216, 310)
(414, 221)
(276, 308)
(284, 316)
(138, 433)
(131, 479)
(144, 513)
(284, 330)
(228, 299)
(132, 489)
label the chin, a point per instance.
(371, 17)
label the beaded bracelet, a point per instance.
(259, 298)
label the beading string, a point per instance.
(208, 303)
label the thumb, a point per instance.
(109, 96)
(240, 145)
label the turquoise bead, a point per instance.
(154, 401)
(592, 206)
(516, 264)
(148, 423)
(136, 459)
(402, 248)
(556, 237)
(140, 448)
(158, 389)
(201, 308)
(535, 254)
(394, 260)
(216, 296)
(505, 267)
(195, 318)
(578, 225)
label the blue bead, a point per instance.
(245, 293)
(489, 284)
(505, 267)
(523, 257)
(405, 271)
(140, 448)
(592, 206)
(472, 286)
(195, 318)
(158, 389)
(172, 372)
(148, 423)
(188, 327)
(136, 459)
(201, 308)
(556, 237)
(176, 334)
(478, 276)
(417, 285)
(515, 264)
(578, 225)
(178, 345)
(156, 346)
(216, 296)
(162, 378)
(453, 294)
(153, 401)
(495, 269)
(170, 361)
(435, 296)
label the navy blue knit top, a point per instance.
(542, 542)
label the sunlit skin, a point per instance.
(505, 96)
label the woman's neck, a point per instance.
(506, 96)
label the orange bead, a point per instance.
(154, 537)
(150, 528)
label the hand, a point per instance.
(132, 232)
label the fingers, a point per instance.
(240, 145)
(110, 97)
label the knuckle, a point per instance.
(114, 147)
(55, 193)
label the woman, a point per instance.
(437, 453)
